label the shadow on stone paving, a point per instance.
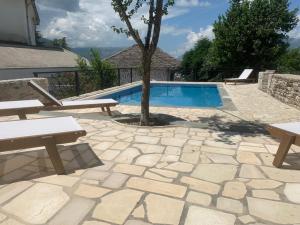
(293, 161)
(33, 164)
(228, 129)
(156, 119)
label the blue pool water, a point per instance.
(175, 95)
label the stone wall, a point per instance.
(12, 90)
(284, 87)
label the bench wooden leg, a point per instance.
(103, 109)
(54, 156)
(283, 149)
(22, 116)
(108, 111)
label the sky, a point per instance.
(87, 23)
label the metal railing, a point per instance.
(64, 84)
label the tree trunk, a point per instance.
(145, 114)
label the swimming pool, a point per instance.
(172, 95)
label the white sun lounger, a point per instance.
(47, 132)
(55, 104)
(289, 133)
(20, 108)
(244, 77)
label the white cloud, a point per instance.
(296, 32)
(91, 24)
(192, 37)
(192, 3)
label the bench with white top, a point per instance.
(289, 134)
(47, 132)
(20, 108)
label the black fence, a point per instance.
(66, 84)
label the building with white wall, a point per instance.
(20, 57)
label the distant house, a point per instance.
(20, 56)
(128, 62)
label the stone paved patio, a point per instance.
(219, 173)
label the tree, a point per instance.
(126, 10)
(96, 75)
(62, 42)
(290, 62)
(253, 33)
(193, 61)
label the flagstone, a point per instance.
(171, 213)
(292, 192)
(267, 159)
(103, 145)
(236, 190)
(109, 155)
(180, 167)
(190, 157)
(208, 217)
(116, 207)
(200, 185)
(139, 212)
(191, 148)
(291, 176)
(263, 184)
(267, 194)
(248, 158)
(62, 180)
(245, 148)
(172, 150)
(146, 139)
(230, 205)
(217, 150)
(250, 171)
(199, 198)
(89, 191)
(154, 176)
(38, 203)
(95, 175)
(166, 173)
(121, 145)
(136, 222)
(74, 212)
(2, 217)
(148, 160)
(173, 141)
(11, 222)
(95, 223)
(215, 172)
(158, 187)
(169, 158)
(129, 169)
(115, 180)
(274, 211)
(11, 190)
(147, 149)
(195, 142)
(220, 144)
(219, 158)
(127, 156)
(246, 219)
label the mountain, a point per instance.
(104, 51)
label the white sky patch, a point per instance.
(192, 3)
(296, 32)
(192, 37)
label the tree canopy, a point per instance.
(251, 34)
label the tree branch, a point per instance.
(150, 25)
(134, 33)
(157, 25)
